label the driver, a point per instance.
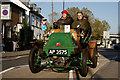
(66, 19)
(84, 27)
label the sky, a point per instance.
(102, 10)
(119, 16)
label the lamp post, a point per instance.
(63, 5)
(52, 14)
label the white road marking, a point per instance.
(7, 70)
(19, 57)
(21, 66)
(98, 63)
(16, 67)
(71, 75)
(12, 68)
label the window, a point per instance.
(40, 22)
(34, 9)
(20, 17)
(2, 29)
(33, 20)
(2, 32)
(28, 4)
(37, 22)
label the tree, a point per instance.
(106, 25)
(48, 26)
(26, 35)
(73, 13)
(56, 16)
(97, 29)
(88, 13)
(97, 26)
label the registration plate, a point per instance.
(54, 51)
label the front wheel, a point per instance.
(84, 67)
(35, 61)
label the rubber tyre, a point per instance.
(84, 67)
(32, 58)
(94, 58)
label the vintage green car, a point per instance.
(62, 53)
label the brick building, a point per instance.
(17, 12)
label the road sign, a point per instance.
(44, 27)
(5, 12)
(106, 34)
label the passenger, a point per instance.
(66, 19)
(85, 17)
(84, 27)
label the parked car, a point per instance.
(116, 46)
(102, 45)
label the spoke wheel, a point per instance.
(94, 58)
(84, 68)
(34, 65)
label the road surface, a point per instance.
(17, 68)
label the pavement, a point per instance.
(14, 54)
(110, 70)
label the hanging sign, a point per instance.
(5, 12)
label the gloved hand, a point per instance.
(78, 26)
(81, 29)
(63, 22)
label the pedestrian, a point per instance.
(14, 40)
(84, 27)
(66, 19)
